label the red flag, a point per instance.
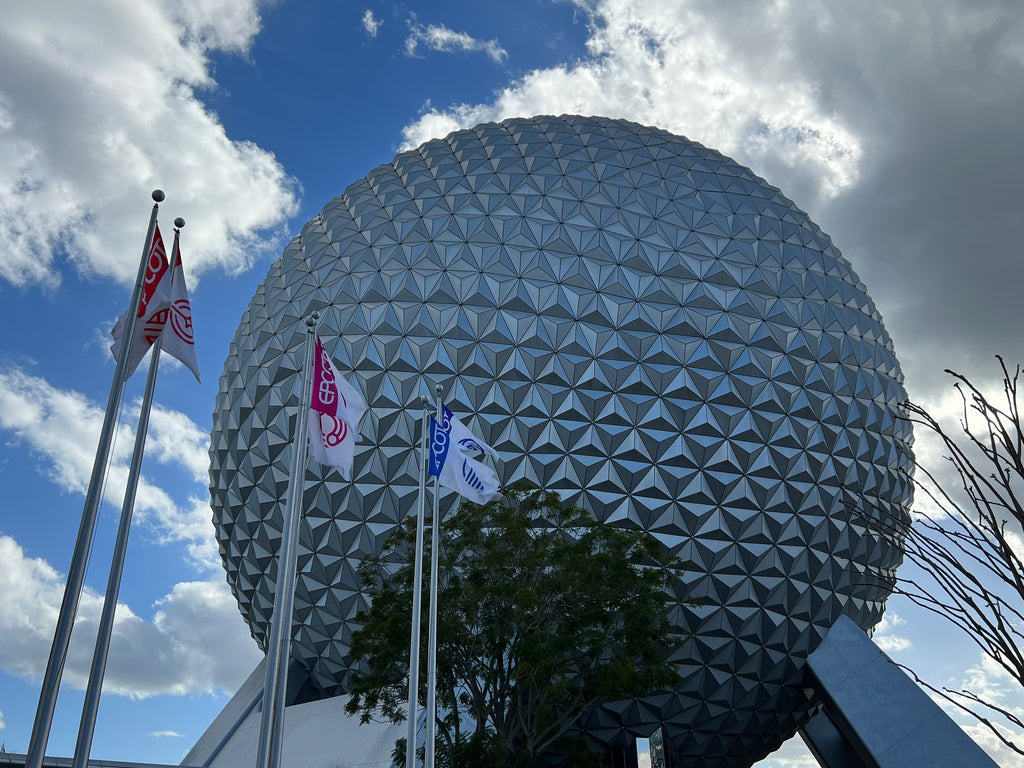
(163, 305)
(144, 336)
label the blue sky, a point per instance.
(894, 124)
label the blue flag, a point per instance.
(456, 469)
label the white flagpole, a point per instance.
(279, 647)
(90, 707)
(417, 589)
(428, 758)
(80, 557)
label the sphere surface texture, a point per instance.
(630, 319)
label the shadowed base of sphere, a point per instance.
(872, 715)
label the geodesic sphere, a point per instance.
(630, 319)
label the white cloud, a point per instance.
(792, 754)
(438, 37)
(889, 621)
(992, 684)
(946, 405)
(996, 749)
(216, 24)
(370, 23)
(884, 638)
(64, 427)
(673, 65)
(161, 734)
(82, 147)
(2, 723)
(195, 643)
(175, 439)
(192, 525)
(893, 643)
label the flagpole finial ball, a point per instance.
(179, 222)
(158, 195)
(311, 320)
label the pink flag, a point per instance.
(143, 336)
(335, 410)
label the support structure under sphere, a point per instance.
(630, 319)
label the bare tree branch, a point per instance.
(969, 547)
(949, 695)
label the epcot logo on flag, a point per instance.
(155, 325)
(439, 444)
(337, 407)
(156, 266)
(472, 479)
(336, 434)
(178, 316)
(181, 320)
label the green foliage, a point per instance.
(543, 613)
(476, 749)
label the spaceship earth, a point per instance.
(629, 318)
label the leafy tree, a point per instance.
(543, 613)
(968, 543)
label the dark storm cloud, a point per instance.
(935, 93)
